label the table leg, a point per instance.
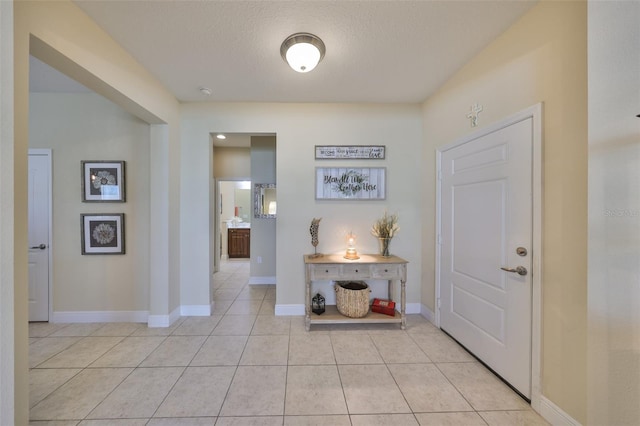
(307, 304)
(403, 304)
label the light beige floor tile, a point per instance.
(256, 391)
(481, 388)
(297, 327)
(266, 350)
(470, 418)
(399, 348)
(252, 292)
(355, 349)
(158, 331)
(513, 418)
(226, 294)
(76, 398)
(310, 349)
(47, 347)
(384, 420)
(130, 352)
(250, 421)
(44, 381)
(270, 325)
(244, 307)
(419, 324)
(199, 392)
(268, 307)
(314, 390)
(271, 293)
(74, 330)
(184, 421)
(220, 350)
(441, 348)
(337, 420)
(139, 395)
(54, 423)
(234, 325)
(370, 389)
(426, 389)
(82, 353)
(197, 326)
(114, 422)
(220, 307)
(174, 351)
(118, 329)
(43, 329)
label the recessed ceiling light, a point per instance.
(205, 91)
(221, 136)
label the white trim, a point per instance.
(48, 153)
(99, 316)
(262, 280)
(413, 308)
(287, 310)
(554, 414)
(163, 320)
(534, 112)
(195, 310)
(427, 313)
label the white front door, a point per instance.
(485, 225)
(39, 210)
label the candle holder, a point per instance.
(352, 253)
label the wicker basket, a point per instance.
(352, 298)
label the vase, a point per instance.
(384, 244)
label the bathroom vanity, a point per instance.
(239, 241)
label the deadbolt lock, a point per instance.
(521, 251)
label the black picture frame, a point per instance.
(103, 181)
(102, 233)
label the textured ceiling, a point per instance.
(377, 51)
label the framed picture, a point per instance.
(102, 233)
(351, 152)
(340, 183)
(103, 181)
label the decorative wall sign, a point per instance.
(358, 152)
(102, 181)
(340, 183)
(102, 233)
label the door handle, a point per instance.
(520, 270)
(41, 247)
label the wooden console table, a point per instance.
(369, 266)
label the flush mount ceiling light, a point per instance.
(302, 51)
(221, 136)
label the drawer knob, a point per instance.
(386, 270)
(326, 271)
(356, 270)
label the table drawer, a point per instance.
(355, 272)
(325, 272)
(386, 271)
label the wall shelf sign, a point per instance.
(351, 152)
(349, 183)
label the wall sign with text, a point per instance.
(340, 183)
(357, 152)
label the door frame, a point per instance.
(48, 154)
(534, 112)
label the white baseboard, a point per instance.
(195, 310)
(412, 308)
(99, 316)
(262, 280)
(285, 310)
(554, 414)
(427, 313)
(163, 320)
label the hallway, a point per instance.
(245, 366)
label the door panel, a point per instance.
(486, 213)
(38, 205)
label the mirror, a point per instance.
(264, 201)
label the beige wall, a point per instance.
(614, 213)
(542, 58)
(298, 128)
(59, 34)
(231, 162)
(80, 127)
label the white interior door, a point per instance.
(39, 211)
(486, 224)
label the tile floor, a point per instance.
(245, 366)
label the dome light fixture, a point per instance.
(302, 51)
